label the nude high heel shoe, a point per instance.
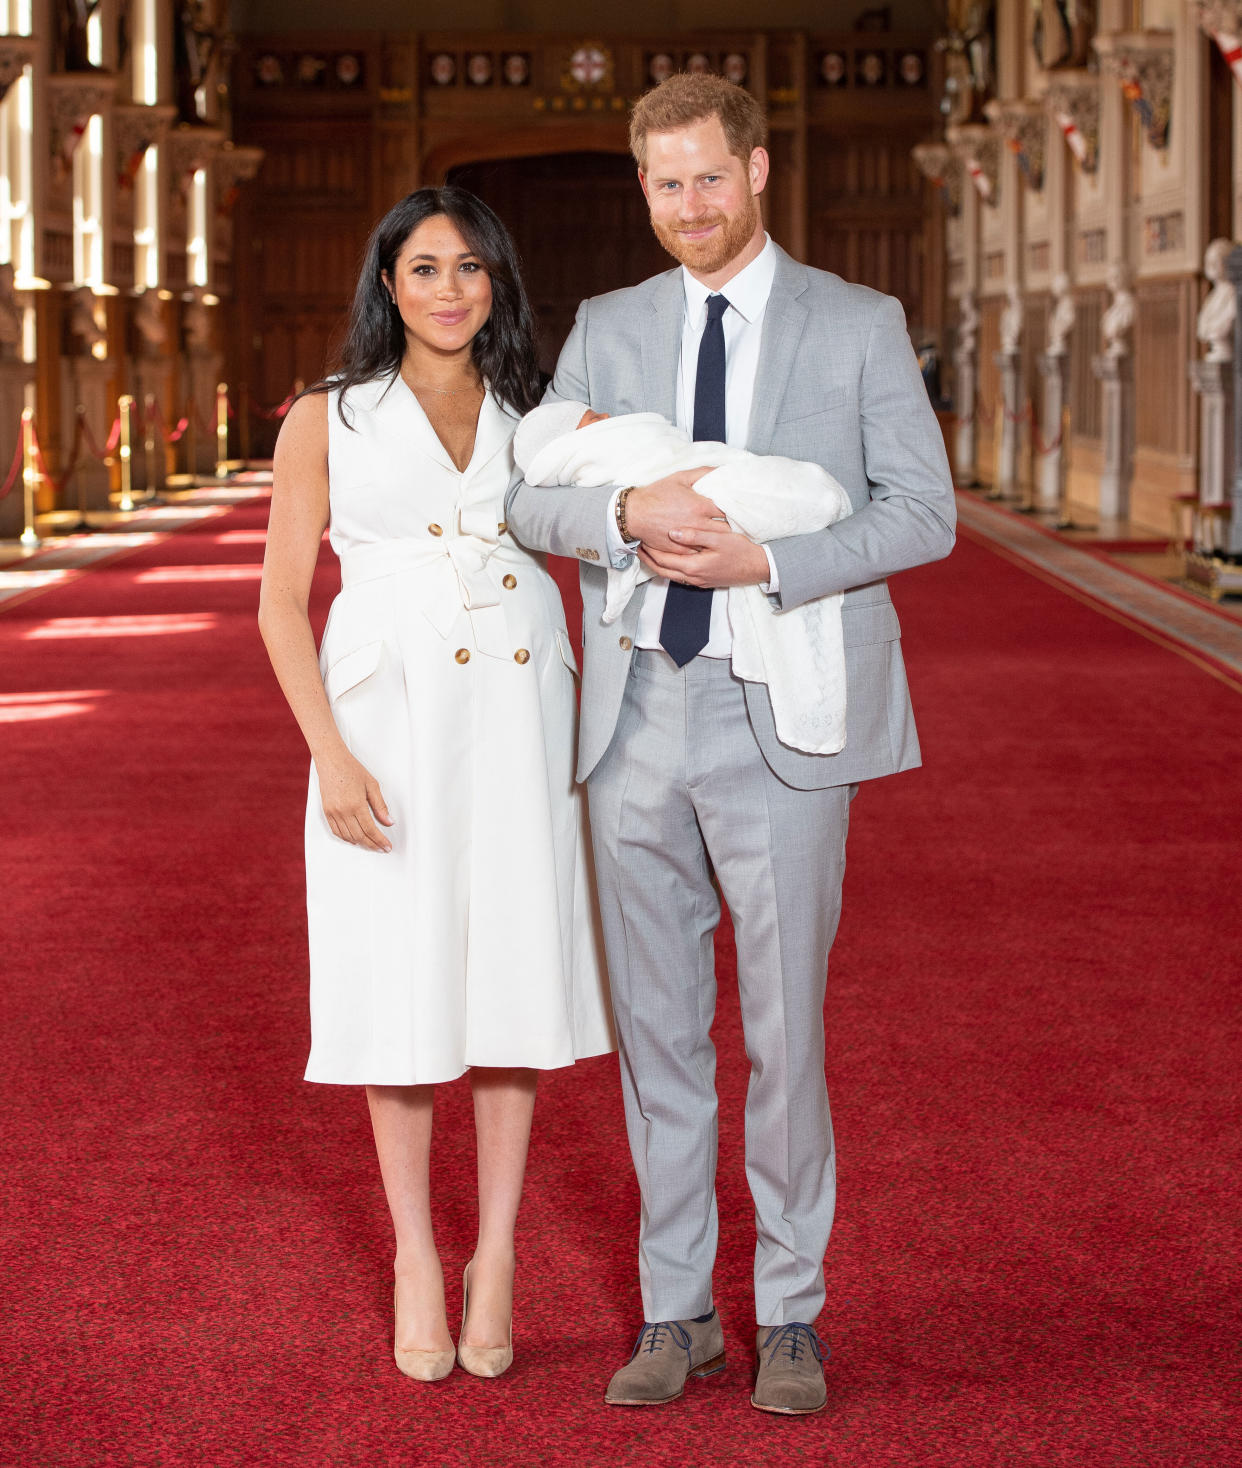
(421, 1365)
(481, 1360)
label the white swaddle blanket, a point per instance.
(799, 654)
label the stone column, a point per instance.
(1010, 404)
(964, 409)
(85, 379)
(1048, 490)
(15, 379)
(1214, 383)
(1116, 377)
(1233, 536)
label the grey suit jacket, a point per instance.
(837, 385)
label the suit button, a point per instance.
(625, 644)
(502, 527)
(509, 582)
(521, 656)
(462, 654)
(435, 529)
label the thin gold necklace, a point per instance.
(444, 392)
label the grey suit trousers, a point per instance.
(684, 784)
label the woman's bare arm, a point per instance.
(352, 800)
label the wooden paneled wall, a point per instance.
(1164, 339)
(1084, 344)
(351, 122)
(866, 213)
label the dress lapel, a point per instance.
(412, 423)
(661, 345)
(783, 325)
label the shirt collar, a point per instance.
(747, 292)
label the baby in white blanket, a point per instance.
(798, 654)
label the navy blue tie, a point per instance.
(686, 624)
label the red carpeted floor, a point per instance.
(1034, 1061)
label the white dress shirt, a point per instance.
(747, 294)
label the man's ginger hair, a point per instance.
(684, 99)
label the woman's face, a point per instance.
(441, 289)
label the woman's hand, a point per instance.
(353, 802)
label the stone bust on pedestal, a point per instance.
(1011, 322)
(1064, 313)
(1117, 322)
(1216, 315)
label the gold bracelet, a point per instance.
(622, 528)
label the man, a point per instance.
(685, 772)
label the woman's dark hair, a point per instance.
(503, 350)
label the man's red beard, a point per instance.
(715, 252)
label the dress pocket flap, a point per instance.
(567, 651)
(877, 623)
(350, 669)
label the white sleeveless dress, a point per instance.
(475, 941)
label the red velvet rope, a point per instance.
(14, 468)
(92, 443)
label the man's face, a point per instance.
(704, 200)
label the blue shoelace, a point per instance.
(792, 1339)
(653, 1332)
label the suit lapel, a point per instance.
(661, 344)
(783, 324)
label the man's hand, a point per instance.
(653, 510)
(708, 557)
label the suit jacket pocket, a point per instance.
(862, 625)
(351, 669)
(805, 409)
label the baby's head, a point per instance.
(548, 422)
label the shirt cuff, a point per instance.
(620, 551)
(772, 586)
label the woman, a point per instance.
(451, 910)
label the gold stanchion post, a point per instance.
(30, 478)
(125, 404)
(222, 430)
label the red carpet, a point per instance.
(1034, 1058)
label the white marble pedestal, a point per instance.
(1048, 490)
(1116, 376)
(964, 409)
(1213, 382)
(1005, 474)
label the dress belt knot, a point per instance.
(452, 574)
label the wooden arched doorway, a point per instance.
(581, 228)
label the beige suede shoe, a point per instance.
(791, 1370)
(481, 1360)
(666, 1352)
(422, 1365)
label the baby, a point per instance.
(798, 654)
